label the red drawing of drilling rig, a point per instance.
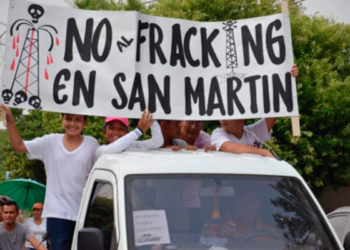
(26, 82)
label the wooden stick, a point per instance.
(295, 119)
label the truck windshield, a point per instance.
(220, 212)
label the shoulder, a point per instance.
(204, 134)
(261, 122)
(22, 226)
(91, 140)
(49, 137)
(218, 132)
(29, 220)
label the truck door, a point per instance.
(98, 208)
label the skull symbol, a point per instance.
(7, 95)
(35, 101)
(20, 97)
(36, 11)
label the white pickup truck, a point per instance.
(165, 200)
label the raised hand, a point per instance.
(6, 110)
(146, 121)
(294, 71)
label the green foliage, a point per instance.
(322, 52)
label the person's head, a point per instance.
(37, 210)
(170, 129)
(10, 212)
(232, 125)
(190, 130)
(73, 124)
(3, 199)
(115, 128)
(246, 203)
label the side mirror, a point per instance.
(347, 241)
(90, 239)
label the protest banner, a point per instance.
(110, 63)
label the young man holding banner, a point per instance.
(68, 159)
(235, 137)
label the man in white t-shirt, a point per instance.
(68, 159)
(235, 137)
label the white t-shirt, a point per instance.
(129, 141)
(66, 173)
(38, 231)
(219, 136)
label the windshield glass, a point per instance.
(219, 212)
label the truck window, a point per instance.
(100, 213)
(229, 211)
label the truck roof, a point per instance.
(166, 161)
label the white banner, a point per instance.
(116, 63)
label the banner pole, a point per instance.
(295, 119)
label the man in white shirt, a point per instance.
(235, 137)
(68, 159)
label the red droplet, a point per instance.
(17, 52)
(13, 64)
(57, 41)
(51, 59)
(46, 74)
(14, 43)
(48, 60)
(18, 38)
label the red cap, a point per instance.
(38, 205)
(123, 120)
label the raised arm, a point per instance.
(155, 142)
(14, 137)
(119, 145)
(241, 148)
(126, 141)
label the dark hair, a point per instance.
(3, 199)
(85, 116)
(11, 203)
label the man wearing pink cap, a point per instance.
(118, 139)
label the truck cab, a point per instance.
(165, 200)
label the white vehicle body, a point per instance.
(340, 220)
(114, 169)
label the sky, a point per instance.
(337, 9)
